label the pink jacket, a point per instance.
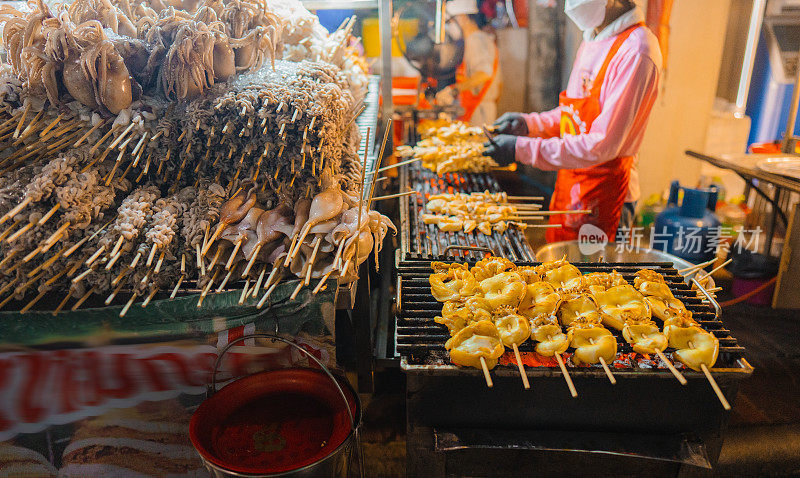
(626, 98)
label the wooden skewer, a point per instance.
(395, 165)
(564, 371)
(86, 135)
(322, 282)
(159, 262)
(244, 291)
(608, 371)
(696, 266)
(522, 373)
(254, 291)
(63, 302)
(21, 231)
(252, 260)
(525, 198)
(119, 138)
(224, 281)
(177, 286)
(297, 290)
(34, 301)
(117, 246)
(310, 264)
(83, 298)
(720, 396)
(19, 207)
(149, 297)
(486, 375)
(213, 238)
(207, 289)
(236, 247)
(708, 274)
(552, 213)
(671, 367)
(390, 196)
(128, 305)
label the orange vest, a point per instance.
(601, 188)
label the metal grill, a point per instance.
(420, 341)
(421, 241)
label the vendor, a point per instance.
(592, 138)
(478, 79)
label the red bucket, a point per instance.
(290, 422)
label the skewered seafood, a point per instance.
(512, 327)
(695, 347)
(467, 212)
(119, 189)
(449, 148)
(475, 342)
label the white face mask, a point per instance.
(587, 14)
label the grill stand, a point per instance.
(457, 427)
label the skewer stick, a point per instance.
(117, 246)
(671, 367)
(564, 371)
(34, 301)
(207, 288)
(310, 264)
(236, 247)
(395, 165)
(21, 121)
(522, 373)
(20, 232)
(83, 298)
(244, 291)
(720, 396)
(63, 302)
(81, 276)
(296, 290)
(177, 286)
(159, 262)
(254, 291)
(486, 373)
(8, 230)
(86, 135)
(525, 198)
(397, 195)
(608, 371)
(213, 238)
(224, 281)
(696, 266)
(708, 274)
(19, 207)
(113, 294)
(252, 260)
(128, 305)
(149, 297)
(32, 254)
(119, 138)
(322, 282)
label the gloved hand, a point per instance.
(511, 123)
(503, 150)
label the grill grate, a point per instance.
(420, 341)
(427, 242)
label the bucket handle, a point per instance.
(213, 387)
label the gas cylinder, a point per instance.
(689, 230)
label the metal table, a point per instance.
(781, 195)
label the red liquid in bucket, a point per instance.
(277, 431)
(272, 422)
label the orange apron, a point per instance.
(602, 188)
(469, 100)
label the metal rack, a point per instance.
(420, 341)
(421, 241)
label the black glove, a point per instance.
(502, 148)
(511, 123)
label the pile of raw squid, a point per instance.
(149, 147)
